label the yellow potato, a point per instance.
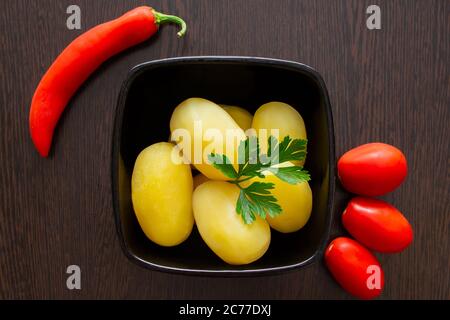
(200, 127)
(295, 201)
(223, 230)
(199, 179)
(281, 116)
(242, 117)
(161, 191)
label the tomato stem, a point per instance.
(161, 18)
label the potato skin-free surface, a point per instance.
(162, 195)
(223, 230)
(210, 116)
(294, 199)
(242, 117)
(296, 202)
(281, 116)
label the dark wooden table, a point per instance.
(388, 85)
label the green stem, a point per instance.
(161, 18)
(236, 182)
(242, 180)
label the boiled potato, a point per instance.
(199, 179)
(295, 201)
(200, 127)
(161, 191)
(281, 116)
(223, 230)
(242, 117)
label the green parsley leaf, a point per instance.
(291, 175)
(256, 199)
(287, 150)
(248, 156)
(222, 163)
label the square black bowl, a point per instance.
(147, 99)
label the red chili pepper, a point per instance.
(80, 59)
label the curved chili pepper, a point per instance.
(80, 59)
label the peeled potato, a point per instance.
(199, 179)
(281, 116)
(296, 202)
(200, 127)
(294, 199)
(242, 117)
(161, 191)
(223, 230)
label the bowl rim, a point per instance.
(115, 149)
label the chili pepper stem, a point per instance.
(161, 18)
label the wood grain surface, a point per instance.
(389, 85)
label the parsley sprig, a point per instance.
(257, 199)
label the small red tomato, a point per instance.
(354, 268)
(377, 225)
(372, 169)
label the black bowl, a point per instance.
(147, 98)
